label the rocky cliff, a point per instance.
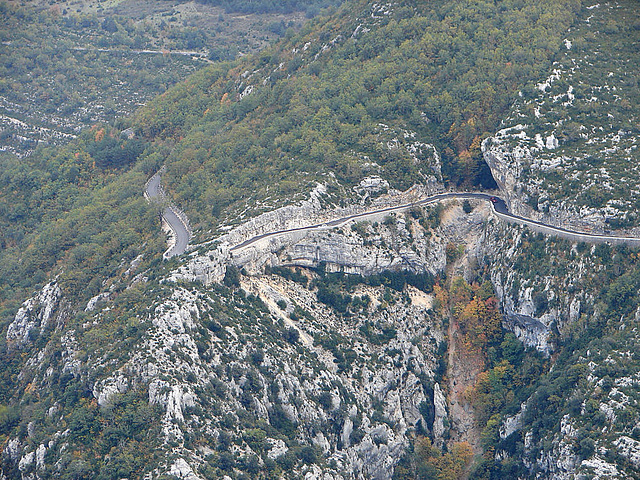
(257, 374)
(264, 373)
(559, 158)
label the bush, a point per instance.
(325, 400)
(540, 302)
(308, 455)
(231, 277)
(226, 461)
(291, 335)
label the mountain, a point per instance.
(66, 66)
(567, 151)
(377, 335)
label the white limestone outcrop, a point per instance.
(35, 313)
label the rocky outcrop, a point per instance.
(535, 305)
(440, 415)
(506, 166)
(513, 423)
(530, 331)
(629, 449)
(356, 397)
(566, 153)
(369, 407)
(211, 266)
(104, 390)
(35, 315)
(391, 241)
(510, 153)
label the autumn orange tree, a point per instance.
(428, 462)
(480, 323)
(476, 311)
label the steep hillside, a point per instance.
(351, 96)
(66, 66)
(569, 152)
(426, 341)
(580, 303)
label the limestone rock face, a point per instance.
(440, 406)
(182, 470)
(531, 331)
(557, 163)
(513, 423)
(278, 448)
(311, 247)
(26, 461)
(370, 406)
(520, 317)
(538, 306)
(363, 246)
(105, 390)
(13, 449)
(629, 449)
(35, 313)
(506, 167)
(222, 363)
(40, 453)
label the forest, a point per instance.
(311, 7)
(328, 104)
(440, 73)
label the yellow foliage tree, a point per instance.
(431, 463)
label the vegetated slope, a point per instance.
(336, 97)
(75, 211)
(581, 418)
(311, 7)
(167, 378)
(362, 93)
(570, 149)
(65, 67)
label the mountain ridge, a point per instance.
(128, 367)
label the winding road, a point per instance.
(498, 206)
(153, 191)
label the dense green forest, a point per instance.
(446, 72)
(312, 7)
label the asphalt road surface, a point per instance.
(498, 204)
(153, 191)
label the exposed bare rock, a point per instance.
(35, 313)
(278, 448)
(13, 449)
(104, 390)
(40, 453)
(182, 470)
(94, 301)
(26, 461)
(211, 266)
(440, 404)
(629, 449)
(513, 423)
